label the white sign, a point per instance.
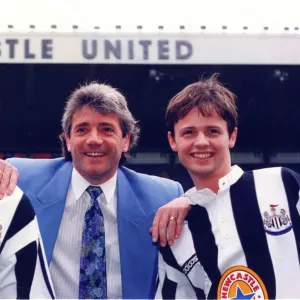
(150, 49)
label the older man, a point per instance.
(93, 213)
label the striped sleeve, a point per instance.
(23, 269)
(180, 274)
(172, 283)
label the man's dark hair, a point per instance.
(207, 95)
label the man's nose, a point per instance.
(201, 140)
(94, 138)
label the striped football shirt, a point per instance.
(24, 272)
(241, 243)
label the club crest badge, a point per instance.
(276, 221)
(240, 282)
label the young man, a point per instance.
(24, 272)
(242, 236)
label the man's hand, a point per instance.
(168, 221)
(8, 178)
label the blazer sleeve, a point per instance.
(180, 189)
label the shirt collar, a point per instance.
(231, 178)
(204, 195)
(80, 184)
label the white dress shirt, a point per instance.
(65, 263)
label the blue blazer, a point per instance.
(46, 183)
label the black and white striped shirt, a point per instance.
(23, 268)
(242, 243)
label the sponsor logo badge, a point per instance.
(240, 282)
(276, 221)
(189, 264)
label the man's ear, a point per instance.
(68, 143)
(172, 141)
(233, 138)
(126, 142)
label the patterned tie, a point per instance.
(92, 281)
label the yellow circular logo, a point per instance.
(240, 282)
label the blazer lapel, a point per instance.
(138, 255)
(52, 199)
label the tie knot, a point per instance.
(94, 191)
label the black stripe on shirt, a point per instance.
(169, 287)
(199, 293)
(291, 181)
(205, 245)
(168, 290)
(251, 231)
(45, 275)
(25, 269)
(169, 258)
(23, 215)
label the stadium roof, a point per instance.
(210, 16)
(155, 32)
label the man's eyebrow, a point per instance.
(106, 124)
(81, 124)
(187, 127)
(214, 126)
(86, 124)
(195, 127)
